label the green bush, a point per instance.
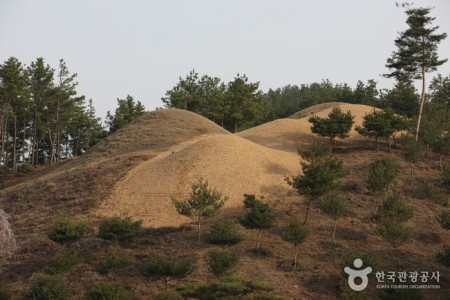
(160, 266)
(64, 262)
(121, 229)
(108, 291)
(444, 257)
(222, 260)
(46, 287)
(168, 295)
(223, 233)
(225, 288)
(116, 258)
(5, 294)
(444, 219)
(67, 230)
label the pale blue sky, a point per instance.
(142, 47)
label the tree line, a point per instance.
(43, 119)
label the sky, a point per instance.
(141, 48)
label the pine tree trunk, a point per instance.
(14, 158)
(199, 227)
(307, 211)
(257, 240)
(295, 257)
(440, 163)
(235, 126)
(3, 133)
(422, 102)
(389, 144)
(378, 144)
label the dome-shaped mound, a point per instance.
(231, 164)
(156, 131)
(290, 134)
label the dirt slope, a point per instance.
(290, 134)
(80, 184)
(229, 163)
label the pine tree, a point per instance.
(338, 124)
(260, 216)
(295, 233)
(203, 202)
(335, 206)
(416, 52)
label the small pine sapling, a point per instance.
(203, 202)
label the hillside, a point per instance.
(135, 171)
(292, 133)
(224, 160)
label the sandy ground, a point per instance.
(230, 163)
(290, 134)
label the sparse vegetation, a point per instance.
(203, 202)
(444, 219)
(443, 257)
(168, 295)
(7, 237)
(65, 230)
(116, 259)
(295, 233)
(222, 261)
(5, 294)
(120, 229)
(223, 233)
(108, 291)
(64, 262)
(225, 288)
(159, 266)
(259, 216)
(45, 287)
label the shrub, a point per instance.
(116, 258)
(225, 288)
(5, 294)
(160, 266)
(120, 229)
(64, 262)
(444, 257)
(222, 260)
(223, 233)
(7, 237)
(444, 219)
(108, 291)
(46, 287)
(168, 295)
(67, 230)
